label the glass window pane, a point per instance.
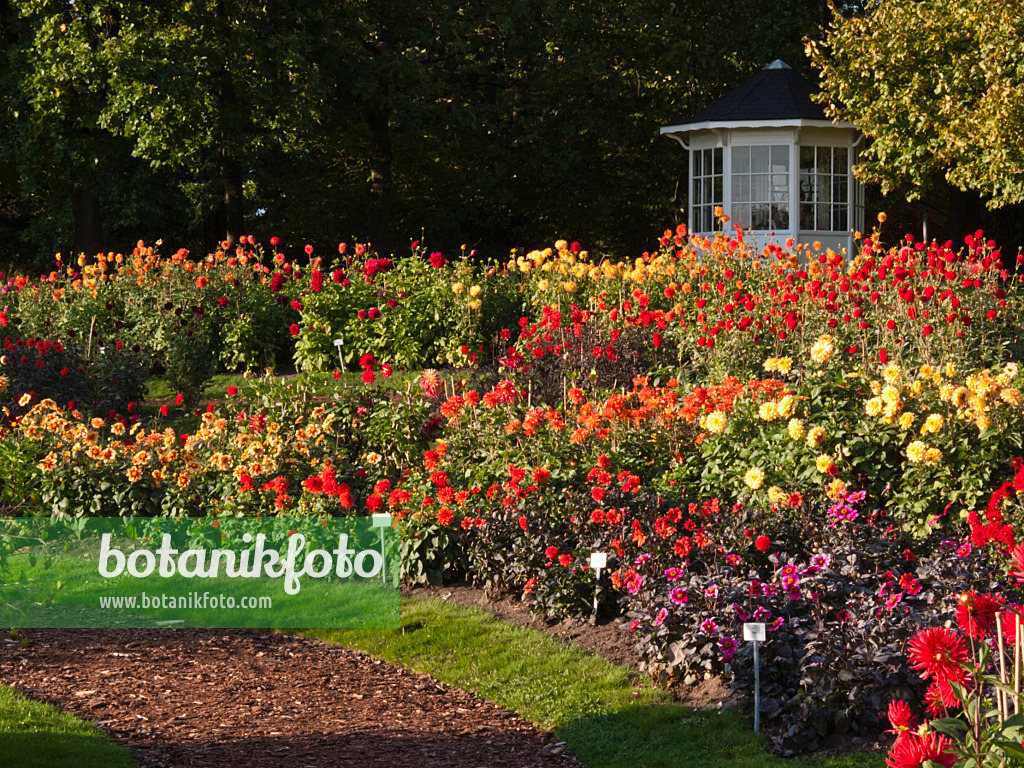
(759, 190)
(780, 159)
(780, 188)
(824, 188)
(759, 159)
(824, 218)
(824, 159)
(780, 216)
(806, 187)
(696, 200)
(839, 218)
(741, 159)
(806, 158)
(707, 189)
(718, 160)
(840, 193)
(707, 161)
(697, 156)
(840, 164)
(741, 189)
(759, 217)
(717, 199)
(806, 216)
(741, 214)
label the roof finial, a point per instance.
(778, 64)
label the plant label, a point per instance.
(754, 631)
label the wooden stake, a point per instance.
(1016, 663)
(1004, 712)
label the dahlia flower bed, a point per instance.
(826, 445)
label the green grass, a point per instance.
(321, 382)
(588, 702)
(37, 735)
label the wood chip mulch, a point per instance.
(190, 698)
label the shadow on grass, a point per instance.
(46, 749)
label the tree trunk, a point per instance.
(380, 179)
(85, 210)
(234, 219)
(230, 168)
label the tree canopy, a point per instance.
(939, 89)
(485, 123)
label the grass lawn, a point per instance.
(322, 383)
(588, 702)
(37, 735)
(606, 718)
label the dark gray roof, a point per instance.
(777, 92)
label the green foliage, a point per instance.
(938, 88)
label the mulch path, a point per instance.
(230, 698)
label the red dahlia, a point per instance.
(938, 652)
(912, 751)
(976, 614)
(900, 717)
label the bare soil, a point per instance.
(226, 698)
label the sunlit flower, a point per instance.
(1011, 397)
(892, 374)
(934, 423)
(917, 452)
(816, 436)
(778, 364)
(776, 495)
(822, 349)
(754, 478)
(824, 463)
(938, 652)
(786, 406)
(430, 382)
(976, 614)
(716, 422)
(873, 407)
(709, 627)
(796, 429)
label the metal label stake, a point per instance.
(382, 520)
(338, 343)
(754, 632)
(598, 560)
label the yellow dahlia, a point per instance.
(796, 429)
(822, 349)
(916, 452)
(716, 422)
(816, 436)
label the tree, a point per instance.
(939, 89)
